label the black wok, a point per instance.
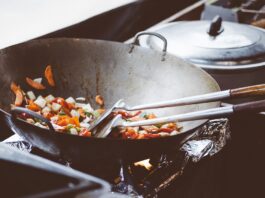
(84, 67)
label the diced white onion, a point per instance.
(40, 102)
(49, 98)
(46, 110)
(56, 106)
(75, 113)
(86, 120)
(163, 134)
(31, 95)
(85, 125)
(82, 99)
(142, 132)
(87, 108)
(70, 100)
(80, 105)
(38, 80)
(173, 133)
(54, 118)
(73, 131)
(39, 125)
(30, 120)
(57, 127)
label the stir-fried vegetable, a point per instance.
(74, 116)
(49, 76)
(18, 92)
(35, 84)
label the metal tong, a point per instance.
(198, 115)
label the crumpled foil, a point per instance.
(206, 141)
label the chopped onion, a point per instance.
(82, 99)
(70, 100)
(31, 95)
(85, 125)
(173, 133)
(39, 125)
(30, 120)
(38, 80)
(54, 118)
(56, 106)
(73, 131)
(46, 110)
(75, 113)
(40, 102)
(163, 134)
(80, 105)
(87, 108)
(49, 98)
(86, 120)
(142, 132)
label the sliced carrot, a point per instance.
(18, 92)
(75, 121)
(166, 130)
(99, 100)
(34, 84)
(85, 133)
(49, 75)
(19, 98)
(32, 106)
(62, 122)
(14, 87)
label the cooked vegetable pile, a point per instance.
(74, 115)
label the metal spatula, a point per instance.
(209, 97)
(250, 107)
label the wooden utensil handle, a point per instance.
(248, 91)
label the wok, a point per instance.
(85, 67)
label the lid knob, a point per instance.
(216, 26)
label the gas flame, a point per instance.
(144, 163)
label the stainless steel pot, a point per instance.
(234, 54)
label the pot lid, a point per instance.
(212, 44)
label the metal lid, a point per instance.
(214, 45)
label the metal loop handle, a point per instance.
(33, 114)
(136, 42)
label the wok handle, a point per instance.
(254, 90)
(33, 114)
(136, 42)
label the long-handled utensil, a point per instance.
(209, 97)
(249, 107)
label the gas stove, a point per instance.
(235, 169)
